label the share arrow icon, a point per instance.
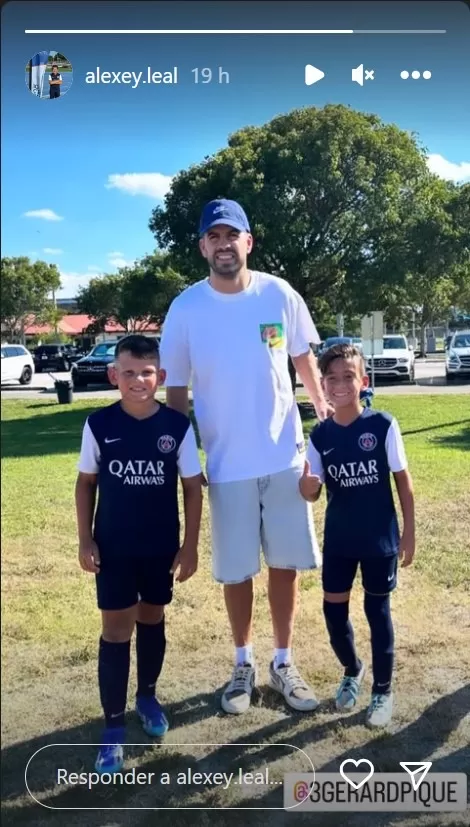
(417, 770)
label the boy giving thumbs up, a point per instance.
(310, 484)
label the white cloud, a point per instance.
(152, 184)
(72, 281)
(53, 251)
(46, 215)
(117, 260)
(449, 170)
(33, 254)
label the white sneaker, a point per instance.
(379, 713)
(348, 691)
(237, 696)
(286, 680)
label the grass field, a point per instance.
(51, 628)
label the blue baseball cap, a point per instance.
(223, 211)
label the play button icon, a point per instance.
(312, 74)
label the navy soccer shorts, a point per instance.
(125, 580)
(379, 574)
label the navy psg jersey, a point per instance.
(138, 462)
(355, 462)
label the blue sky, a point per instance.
(82, 174)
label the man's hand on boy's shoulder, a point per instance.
(186, 561)
(407, 549)
(89, 557)
(324, 410)
(309, 484)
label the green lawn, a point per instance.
(51, 628)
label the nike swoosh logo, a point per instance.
(118, 439)
(391, 578)
(328, 452)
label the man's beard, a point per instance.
(226, 269)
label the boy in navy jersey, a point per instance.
(133, 452)
(353, 454)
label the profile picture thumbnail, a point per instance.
(49, 75)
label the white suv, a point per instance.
(17, 364)
(458, 356)
(397, 360)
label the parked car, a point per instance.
(397, 361)
(92, 369)
(17, 364)
(458, 356)
(336, 340)
(54, 357)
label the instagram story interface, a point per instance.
(235, 301)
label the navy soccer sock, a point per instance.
(341, 635)
(150, 647)
(113, 677)
(377, 609)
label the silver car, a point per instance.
(458, 356)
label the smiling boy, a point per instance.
(133, 452)
(353, 454)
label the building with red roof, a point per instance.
(76, 325)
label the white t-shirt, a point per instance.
(234, 349)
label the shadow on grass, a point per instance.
(420, 739)
(57, 430)
(417, 741)
(461, 441)
(439, 427)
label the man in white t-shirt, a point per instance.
(230, 335)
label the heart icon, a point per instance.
(356, 764)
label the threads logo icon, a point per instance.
(301, 790)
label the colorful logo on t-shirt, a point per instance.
(367, 442)
(166, 444)
(272, 334)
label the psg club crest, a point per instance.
(166, 444)
(367, 442)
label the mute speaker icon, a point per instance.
(357, 74)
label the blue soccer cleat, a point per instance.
(111, 754)
(152, 716)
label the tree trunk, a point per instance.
(422, 337)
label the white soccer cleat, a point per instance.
(379, 713)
